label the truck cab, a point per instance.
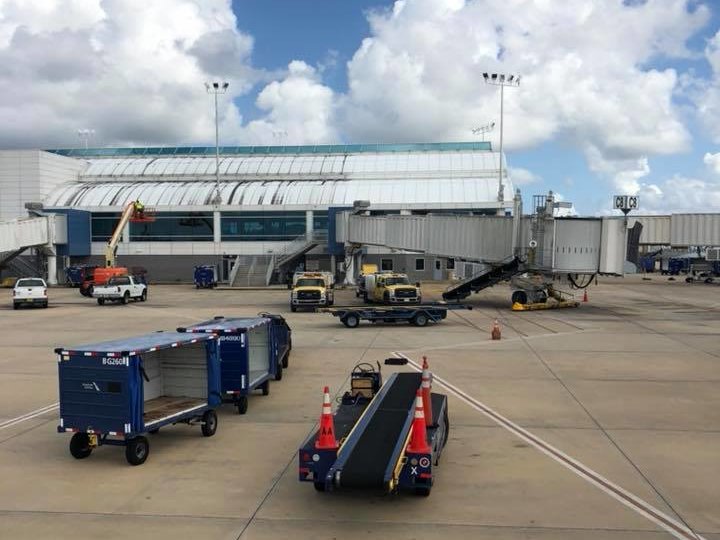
(392, 288)
(312, 289)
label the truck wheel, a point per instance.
(286, 359)
(137, 450)
(125, 297)
(420, 319)
(519, 297)
(80, 446)
(386, 298)
(319, 486)
(365, 298)
(278, 371)
(293, 308)
(351, 320)
(16, 306)
(422, 491)
(143, 296)
(101, 301)
(209, 423)
(90, 290)
(266, 388)
(242, 404)
(45, 305)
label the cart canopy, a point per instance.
(135, 345)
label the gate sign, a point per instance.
(626, 203)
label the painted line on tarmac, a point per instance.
(490, 342)
(677, 529)
(28, 416)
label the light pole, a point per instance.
(501, 80)
(216, 88)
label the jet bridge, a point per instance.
(41, 232)
(554, 247)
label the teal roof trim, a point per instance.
(271, 150)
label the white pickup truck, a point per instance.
(120, 289)
(30, 292)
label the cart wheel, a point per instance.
(319, 486)
(137, 450)
(278, 371)
(351, 320)
(266, 388)
(422, 491)
(293, 308)
(286, 359)
(154, 431)
(80, 446)
(242, 404)
(420, 319)
(209, 426)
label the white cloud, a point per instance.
(522, 177)
(419, 76)
(133, 71)
(708, 101)
(299, 109)
(712, 161)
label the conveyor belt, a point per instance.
(369, 457)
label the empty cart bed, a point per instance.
(114, 392)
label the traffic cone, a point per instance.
(426, 391)
(326, 436)
(418, 435)
(585, 297)
(495, 333)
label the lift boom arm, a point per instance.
(111, 247)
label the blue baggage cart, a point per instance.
(252, 351)
(113, 393)
(205, 276)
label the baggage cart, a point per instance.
(115, 392)
(252, 352)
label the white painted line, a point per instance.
(28, 416)
(633, 502)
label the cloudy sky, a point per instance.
(616, 96)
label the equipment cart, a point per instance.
(375, 425)
(113, 393)
(351, 316)
(252, 351)
(205, 276)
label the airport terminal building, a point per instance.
(272, 200)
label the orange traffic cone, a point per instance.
(495, 333)
(326, 436)
(418, 436)
(585, 297)
(426, 391)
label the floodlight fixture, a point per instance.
(502, 81)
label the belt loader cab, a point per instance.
(312, 289)
(391, 288)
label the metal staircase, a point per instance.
(489, 276)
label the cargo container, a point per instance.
(114, 392)
(252, 351)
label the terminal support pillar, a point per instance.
(51, 266)
(308, 225)
(217, 228)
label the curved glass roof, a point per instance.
(292, 167)
(429, 192)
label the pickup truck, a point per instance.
(30, 292)
(120, 289)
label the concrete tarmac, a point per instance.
(628, 384)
